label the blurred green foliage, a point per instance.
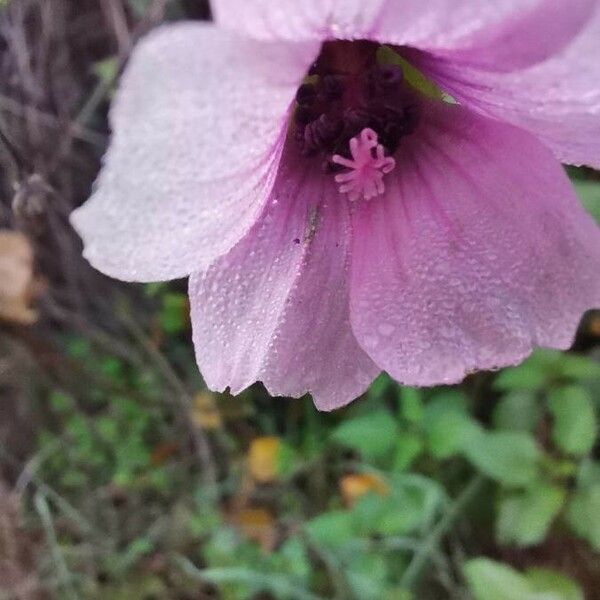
(490, 580)
(359, 504)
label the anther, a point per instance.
(322, 133)
(346, 93)
(306, 94)
(332, 88)
(384, 80)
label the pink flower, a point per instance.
(336, 216)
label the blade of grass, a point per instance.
(275, 583)
(431, 543)
(65, 577)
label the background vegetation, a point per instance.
(122, 477)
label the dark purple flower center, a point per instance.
(348, 90)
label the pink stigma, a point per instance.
(367, 167)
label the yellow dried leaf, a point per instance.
(594, 326)
(258, 525)
(17, 284)
(354, 487)
(262, 458)
(205, 413)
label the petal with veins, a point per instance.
(276, 308)
(478, 252)
(198, 123)
(557, 100)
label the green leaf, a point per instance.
(575, 423)
(583, 513)
(447, 425)
(241, 582)
(407, 520)
(294, 557)
(421, 500)
(517, 411)
(367, 513)
(589, 473)
(408, 448)
(489, 580)
(372, 434)
(380, 386)
(524, 518)
(107, 69)
(174, 315)
(511, 458)
(286, 460)
(334, 528)
(417, 79)
(529, 377)
(152, 290)
(560, 586)
(589, 194)
(579, 368)
(411, 404)
(367, 575)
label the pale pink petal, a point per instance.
(526, 38)
(478, 252)
(517, 32)
(426, 24)
(557, 100)
(198, 128)
(298, 20)
(275, 309)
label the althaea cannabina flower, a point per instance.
(338, 216)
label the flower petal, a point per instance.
(557, 100)
(298, 19)
(198, 129)
(527, 37)
(425, 24)
(275, 309)
(478, 252)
